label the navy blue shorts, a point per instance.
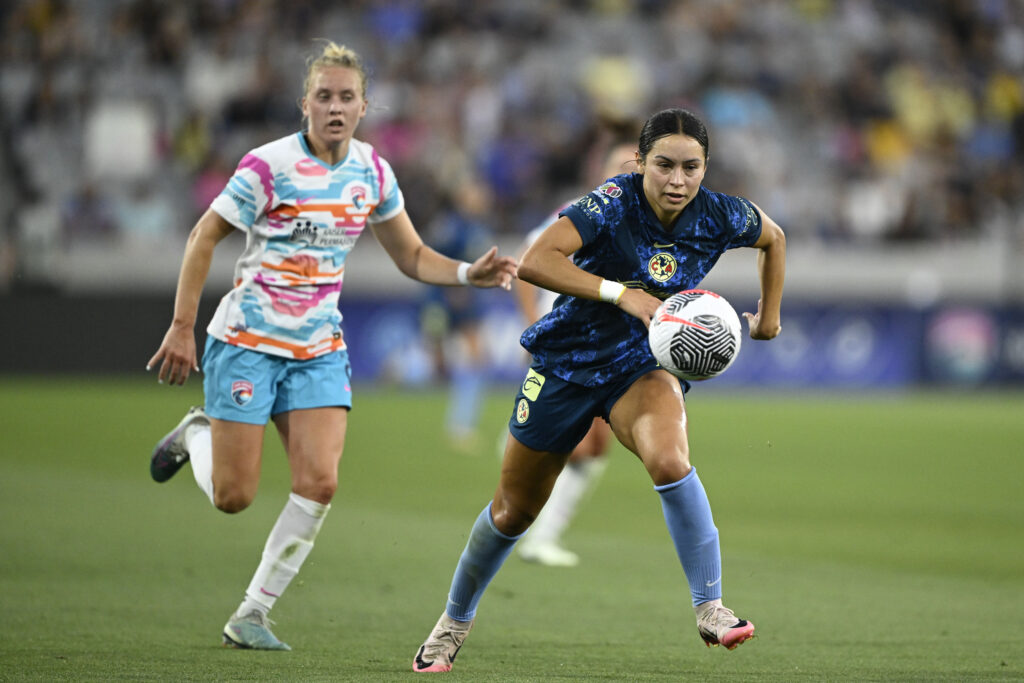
(553, 415)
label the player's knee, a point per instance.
(667, 470)
(234, 489)
(320, 488)
(231, 500)
(324, 492)
(511, 519)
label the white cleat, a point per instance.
(719, 626)
(438, 652)
(548, 554)
(171, 454)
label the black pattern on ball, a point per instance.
(703, 352)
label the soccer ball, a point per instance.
(695, 334)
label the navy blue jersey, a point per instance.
(592, 342)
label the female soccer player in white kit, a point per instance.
(275, 348)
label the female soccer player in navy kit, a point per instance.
(634, 241)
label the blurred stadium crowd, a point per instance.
(849, 121)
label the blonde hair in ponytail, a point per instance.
(334, 55)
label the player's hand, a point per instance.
(759, 327)
(639, 304)
(491, 270)
(176, 355)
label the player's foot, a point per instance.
(548, 554)
(438, 651)
(719, 626)
(464, 442)
(170, 454)
(251, 632)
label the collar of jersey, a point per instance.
(313, 157)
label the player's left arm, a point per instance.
(771, 269)
(415, 259)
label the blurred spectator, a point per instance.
(214, 75)
(264, 100)
(192, 141)
(210, 178)
(37, 247)
(121, 141)
(147, 217)
(88, 217)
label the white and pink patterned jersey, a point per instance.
(301, 218)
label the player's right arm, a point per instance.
(547, 264)
(415, 259)
(177, 354)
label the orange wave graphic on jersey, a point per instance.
(338, 210)
(302, 270)
(297, 351)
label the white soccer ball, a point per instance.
(695, 334)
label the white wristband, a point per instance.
(611, 291)
(462, 274)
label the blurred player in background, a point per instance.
(543, 543)
(275, 348)
(452, 317)
(634, 241)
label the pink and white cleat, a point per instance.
(438, 652)
(719, 626)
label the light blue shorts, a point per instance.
(243, 385)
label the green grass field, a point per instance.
(872, 538)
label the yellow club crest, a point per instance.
(662, 266)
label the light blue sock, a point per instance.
(483, 556)
(464, 402)
(688, 516)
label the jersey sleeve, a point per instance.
(744, 219)
(249, 192)
(391, 199)
(595, 212)
(586, 214)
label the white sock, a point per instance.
(200, 455)
(289, 543)
(574, 481)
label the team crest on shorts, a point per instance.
(662, 266)
(241, 391)
(522, 411)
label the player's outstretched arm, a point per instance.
(766, 323)
(492, 270)
(418, 261)
(177, 354)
